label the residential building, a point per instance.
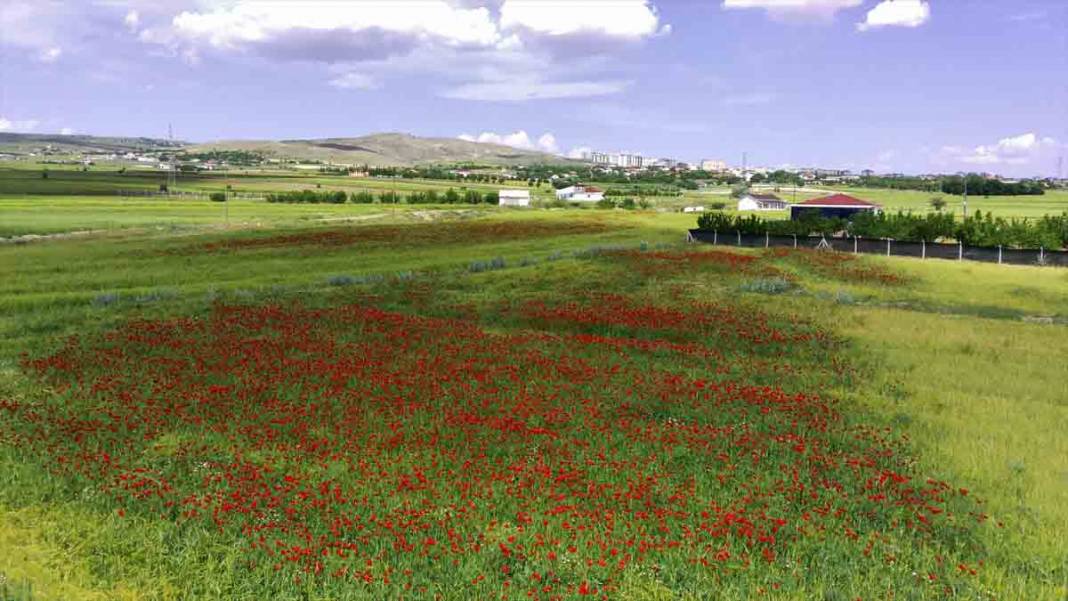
(713, 166)
(580, 193)
(514, 198)
(753, 201)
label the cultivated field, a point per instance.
(469, 403)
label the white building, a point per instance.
(761, 202)
(580, 194)
(514, 198)
(713, 166)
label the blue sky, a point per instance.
(893, 85)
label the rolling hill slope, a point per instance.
(386, 149)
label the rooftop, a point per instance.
(837, 200)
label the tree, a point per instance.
(44, 174)
(739, 190)
(217, 197)
(937, 203)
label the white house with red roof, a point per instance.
(842, 206)
(580, 193)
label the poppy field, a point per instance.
(604, 425)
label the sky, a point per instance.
(910, 86)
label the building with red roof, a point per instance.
(842, 206)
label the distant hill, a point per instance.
(25, 143)
(386, 149)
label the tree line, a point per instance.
(450, 196)
(980, 229)
(977, 185)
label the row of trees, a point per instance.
(977, 185)
(450, 196)
(979, 229)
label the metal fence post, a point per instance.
(1041, 255)
(739, 237)
(960, 251)
(767, 239)
(795, 240)
(854, 245)
(999, 254)
(924, 251)
(888, 247)
(715, 237)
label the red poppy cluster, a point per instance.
(392, 450)
(466, 232)
(840, 266)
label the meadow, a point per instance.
(467, 403)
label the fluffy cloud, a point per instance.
(579, 152)
(623, 18)
(354, 81)
(67, 131)
(897, 13)
(1015, 150)
(821, 10)
(16, 125)
(494, 50)
(50, 55)
(328, 31)
(520, 139)
(521, 90)
(132, 20)
(1027, 150)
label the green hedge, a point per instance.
(979, 229)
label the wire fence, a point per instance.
(889, 248)
(189, 194)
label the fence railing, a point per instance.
(190, 194)
(889, 248)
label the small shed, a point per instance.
(841, 206)
(761, 202)
(514, 198)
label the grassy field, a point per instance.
(961, 363)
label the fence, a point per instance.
(198, 194)
(887, 247)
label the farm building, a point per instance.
(514, 198)
(841, 206)
(580, 193)
(761, 202)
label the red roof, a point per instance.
(838, 200)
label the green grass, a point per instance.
(947, 359)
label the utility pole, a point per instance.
(965, 179)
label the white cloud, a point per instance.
(897, 13)
(1025, 150)
(467, 49)
(24, 125)
(579, 152)
(67, 131)
(519, 139)
(50, 55)
(328, 31)
(819, 10)
(132, 20)
(622, 18)
(354, 81)
(521, 90)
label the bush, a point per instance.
(217, 197)
(768, 285)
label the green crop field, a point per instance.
(539, 404)
(316, 401)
